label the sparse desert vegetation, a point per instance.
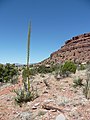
(54, 98)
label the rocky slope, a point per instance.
(76, 49)
(59, 101)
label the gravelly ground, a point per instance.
(61, 94)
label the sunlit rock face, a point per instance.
(76, 49)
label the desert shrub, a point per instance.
(44, 69)
(7, 78)
(77, 82)
(86, 88)
(33, 71)
(41, 69)
(68, 67)
(42, 75)
(88, 66)
(55, 67)
(40, 113)
(8, 72)
(58, 71)
(25, 73)
(81, 67)
(31, 65)
(23, 96)
(15, 79)
(86, 91)
(1, 72)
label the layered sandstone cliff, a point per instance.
(76, 49)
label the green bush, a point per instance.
(33, 71)
(8, 72)
(44, 69)
(41, 69)
(68, 67)
(1, 73)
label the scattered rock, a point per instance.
(29, 103)
(42, 112)
(60, 117)
(34, 107)
(24, 116)
(37, 104)
(45, 92)
(74, 113)
(8, 99)
(58, 77)
(62, 100)
(48, 100)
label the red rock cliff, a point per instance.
(76, 49)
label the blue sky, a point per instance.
(53, 22)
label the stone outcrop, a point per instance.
(76, 49)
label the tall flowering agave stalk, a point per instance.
(25, 95)
(28, 57)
